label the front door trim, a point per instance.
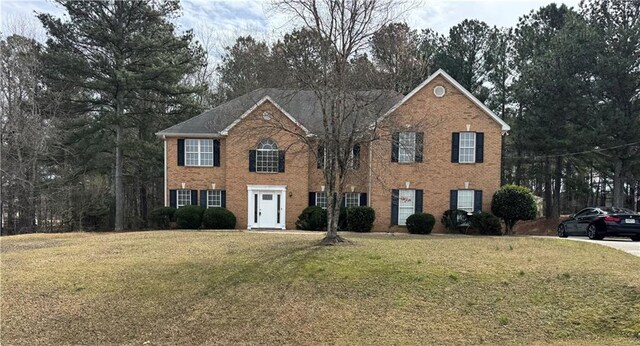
(258, 189)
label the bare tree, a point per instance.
(345, 29)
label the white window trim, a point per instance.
(268, 152)
(473, 196)
(178, 205)
(325, 199)
(402, 149)
(220, 199)
(413, 206)
(199, 152)
(473, 148)
(357, 197)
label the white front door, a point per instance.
(267, 205)
(268, 213)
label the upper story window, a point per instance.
(406, 146)
(267, 156)
(466, 200)
(198, 152)
(467, 152)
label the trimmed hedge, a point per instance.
(420, 223)
(189, 217)
(218, 218)
(486, 224)
(360, 219)
(513, 203)
(160, 218)
(313, 218)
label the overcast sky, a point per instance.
(225, 20)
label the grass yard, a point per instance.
(220, 288)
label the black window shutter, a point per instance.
(173, 198)
(479, 147)
(320, 157)
(252, 160)
(419, 146)
(394, 206)
(419, 202)
(203, 198)
(356, 156)
(223, 198)
(453, 199)
(363, 199)
(216, 153)
(477, 200)
(281, 161)
(395, 137)
(455, 147)
(312, 198)
(194, 197)
(343, 201)
(180, 152)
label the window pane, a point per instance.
(321, 200)
(465, 200)
(351, 199)
(214, 198)
(183, 198)
(406, 205)
(467, 147)
(406, 147)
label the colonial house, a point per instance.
(443, 152)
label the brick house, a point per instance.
(443, 152)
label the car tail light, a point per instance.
(611, 218)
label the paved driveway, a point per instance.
(624, 244)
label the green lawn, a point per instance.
(209, 287)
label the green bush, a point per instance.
(218, 218)
(455, 220)
(312, 219)
(189, 217)
(342, 220)
(420, 223)
(486, 223)
(360, 219)
(513, 203)
(161, 217)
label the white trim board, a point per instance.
(252, 189)
(505, 127)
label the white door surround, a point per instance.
(266, 205)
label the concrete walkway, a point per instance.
(624, 244)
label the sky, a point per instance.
(217, 23)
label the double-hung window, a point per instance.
(467, 147)
(321, 200)
(465, 200)
(406, 205)
(351, 199)
(267, 156)
(214, 198)
(198, 152)
(183, 198)
(406, 147)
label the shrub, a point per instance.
(360, 219)
(189, 217)
(420, 223)
(486, 223)
(218, 218)
(342, 220)
(161, 217)
(455, 220)
(513, 203)
(313, 218)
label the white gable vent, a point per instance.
(266, 115)
(439, 91)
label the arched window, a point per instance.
(267, 156)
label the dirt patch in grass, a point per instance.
(199, 287)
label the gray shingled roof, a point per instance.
(302, 105)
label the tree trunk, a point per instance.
(557, 198)
(119, 184)
(618, 182)
(548, 196)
